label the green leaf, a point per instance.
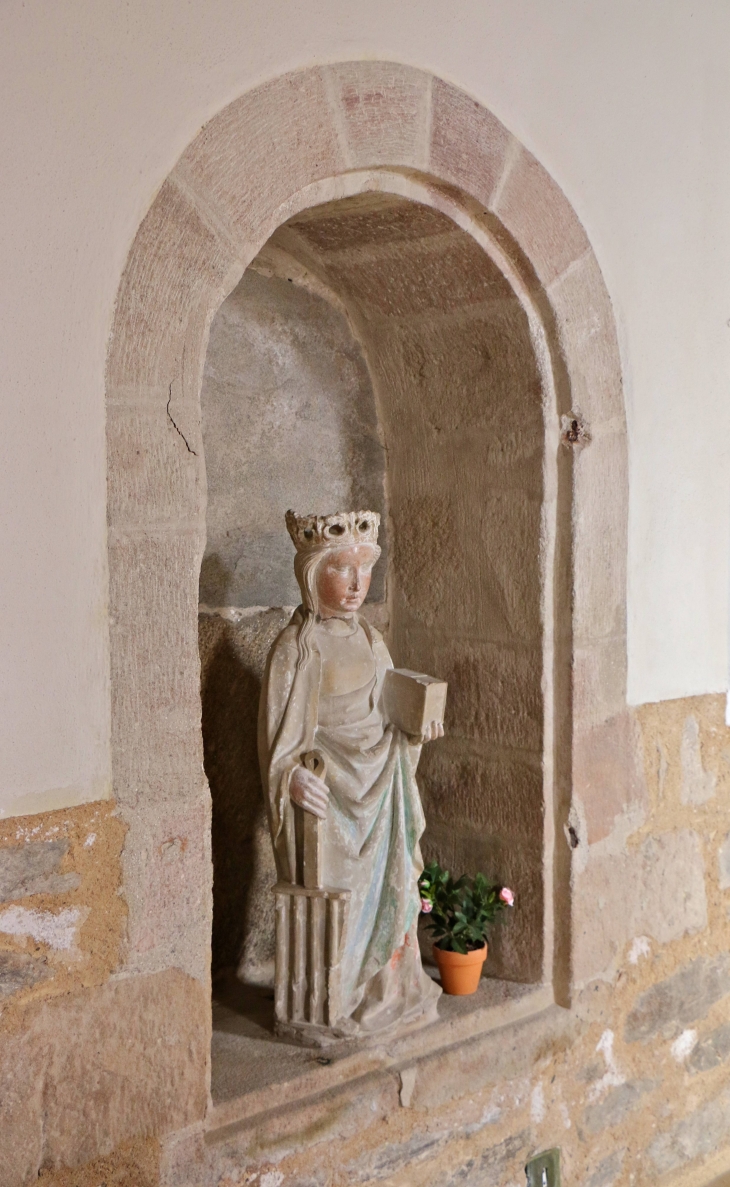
(462, 910)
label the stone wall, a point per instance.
(342, 131)
(125, 1063)
(632, 1083)
(80, 1072)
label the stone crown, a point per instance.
(312, 533)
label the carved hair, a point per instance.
(306, 567)
(305, 571)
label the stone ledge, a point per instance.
(253, 1075)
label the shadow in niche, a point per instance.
(232, 656)
(230, 705)
(215, 579)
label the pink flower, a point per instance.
(507, 896)
(426, 906)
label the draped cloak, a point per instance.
(372, 829)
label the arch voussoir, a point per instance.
(469, 146)
(536, 212)
(587, 339)
(176, 264)
(382, 112)
(248, 160)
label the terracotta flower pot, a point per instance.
(460, 973)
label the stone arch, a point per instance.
(299, 140)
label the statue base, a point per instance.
(347, 1036)
(309, 1034)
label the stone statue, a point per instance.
(344, 808)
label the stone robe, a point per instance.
(373, 824)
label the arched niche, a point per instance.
(378, 308)
(294, 144)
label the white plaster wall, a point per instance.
(628, 106)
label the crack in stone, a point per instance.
(175, 427)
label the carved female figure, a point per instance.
(323, 692)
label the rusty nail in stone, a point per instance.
(574, 431)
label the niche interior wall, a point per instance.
(341, 131)
(378, 285)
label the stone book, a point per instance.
(411, 700)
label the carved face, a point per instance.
(343, 579)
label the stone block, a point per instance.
(183, 1159)
(154, 477)
(393, 1157)
(616, 1105)
(231, 165)
(501, 796)
(167, 879)
(502, 1163)
(485, 359)
(33, 868)
(494, 694)
(468, 143)
(20, 971)
(673, 1005)
(535, 210)
(176, 274)
(602, 925)
(500, 603)
(608, 774)
(607, 917)
(421, 278)
(59, 930)
(702, 1132)
(711, 1051)
(155, 665)
(367, 220)
(698, 785)
(303, 1125)
(22, 1060)
(608, 1169)
(723, 860)
(133, 1164)
(383, 109)
(587, 335)
(686, 750)
(600, 494)
(599, 682)
(82, 918)
(125, 1060)
(673, 898)
(491, 1058)
(509, 564)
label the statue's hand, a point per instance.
(309, 792)
(434, 730)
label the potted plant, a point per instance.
(460, 912)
